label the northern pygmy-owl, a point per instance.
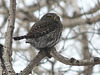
(45, 33)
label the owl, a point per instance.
(45, 33)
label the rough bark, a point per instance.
(8, 39)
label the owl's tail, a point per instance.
(19, 37)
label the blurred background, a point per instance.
(80, 37)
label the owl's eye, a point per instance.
(49, 16)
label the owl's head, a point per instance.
(51, 16)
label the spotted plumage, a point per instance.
(45, 33)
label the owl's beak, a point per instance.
(54, 18)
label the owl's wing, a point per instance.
(42, 28)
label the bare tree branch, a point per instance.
(90, 11)
(79, 21)
(73, 61)
(36, 60)
(8, 40)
